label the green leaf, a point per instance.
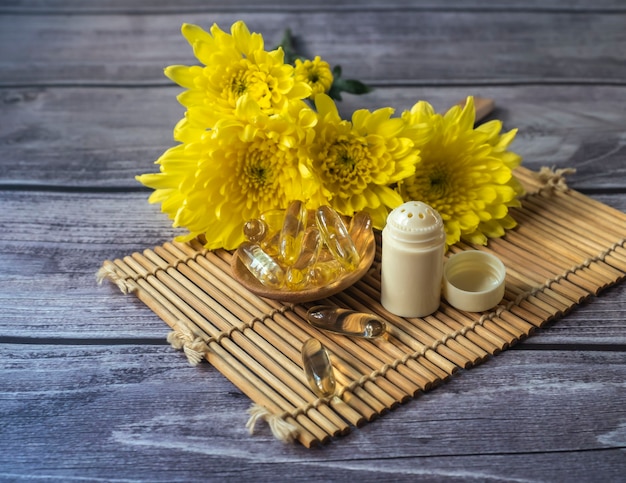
(288, 45)
(340, 85)
(350, 86)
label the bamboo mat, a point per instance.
(566, 248)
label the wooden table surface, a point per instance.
(89, 388)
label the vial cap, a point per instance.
(473, 280)
(415, 222)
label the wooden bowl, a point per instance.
(367, 252)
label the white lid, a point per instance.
(415, 222)
(473, 280)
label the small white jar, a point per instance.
(412, 260)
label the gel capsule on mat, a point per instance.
(265, 269)
(346, 322)
(317, 368)
(336, 237)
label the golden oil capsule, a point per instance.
(255, 230)
(264, 268)
(346, 322)
(323, 273)
(296, 279)
(311, 247)
(273, 220)
(335, 235)
(359, 229)
(297, 275)
(317, 368)
(292, 232)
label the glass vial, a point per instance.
(412, 260)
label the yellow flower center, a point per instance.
(248, 78)
(261, 167)
(316, 73)
(439, 181)
(347, 165)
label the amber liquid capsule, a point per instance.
(346, 322)
(273, 220)
(264, 268)
(323, 273)
(298, 274)
(336, 237)
(255, 230)
(292, 232)
(359, 229)
(317, 368)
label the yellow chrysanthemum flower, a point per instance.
(234, 65)
(464, 173)
(316, 73)
(357, 161)
(247, 164)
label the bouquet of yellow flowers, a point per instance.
(260, 132)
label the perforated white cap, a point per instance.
(415, 222)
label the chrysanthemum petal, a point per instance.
(464, 173)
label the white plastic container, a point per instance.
(412, 260)
(473, 280)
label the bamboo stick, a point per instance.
(420, 378)
(362, 402)
(256, 342)
(268, 341)
(403, 330)
(374, 393)
(578, 212)
(547, 267)
(470, 340)
(613, 264)
(389, 386)
(197, 312)
(553, 225)
(458, 354)
(606, 231)
(487, 330)
(532, 264)
(244, 379)
(405, 325)
(486, 341)
(607, 213)
(574, 253)
(417, 341)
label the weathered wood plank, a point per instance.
(52, 7)
(94, 137)
(142, 413)
(390, 46)
(52, 244)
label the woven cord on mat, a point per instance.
(566, 248)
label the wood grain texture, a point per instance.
(97, 405)
(89, 389)
(59, 7)
(104, 137)
(53, 243)
(435, 47)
